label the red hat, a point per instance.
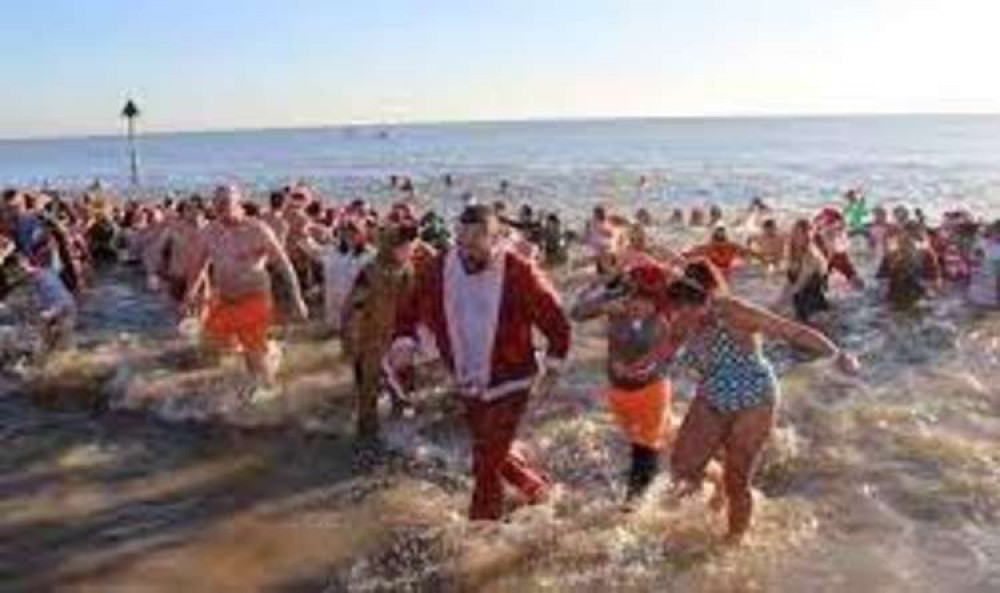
(648, 280)
(828, 215)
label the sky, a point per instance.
(68, 65)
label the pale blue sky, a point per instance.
(67, 65)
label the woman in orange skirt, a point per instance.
(635, 325)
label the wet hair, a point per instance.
(277, 200)
(700, 280)
(600, 213)
(251, 209)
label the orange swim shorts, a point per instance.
(642, 413)
(245, 321)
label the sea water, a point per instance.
(889, 481)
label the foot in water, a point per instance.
(255, 393)
(369, 451)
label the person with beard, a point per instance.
(482, 303)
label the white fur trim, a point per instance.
(472, 305)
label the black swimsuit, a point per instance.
(811, 298)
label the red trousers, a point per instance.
(739, 436)
(492, 428)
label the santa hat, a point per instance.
(828, 216)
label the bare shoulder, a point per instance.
(261, 230)
(738, 309)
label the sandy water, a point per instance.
(127, 463)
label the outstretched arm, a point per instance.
(277, 255)
(595, 301)
(757, 319)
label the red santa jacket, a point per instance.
(521, 300)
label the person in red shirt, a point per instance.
(722, 252)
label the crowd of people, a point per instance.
(395, 283)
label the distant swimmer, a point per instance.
(237, 250)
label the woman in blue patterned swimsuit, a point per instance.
(719, 337)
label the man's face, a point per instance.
(227, 204)
(476, 242)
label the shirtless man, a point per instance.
(239, 250)
(275, 216)
(177, 245)
(302, 229)
(770, 244)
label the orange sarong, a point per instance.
(641, 413)
(245, 321)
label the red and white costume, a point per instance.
(483, 325)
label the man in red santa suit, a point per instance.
(482, 302)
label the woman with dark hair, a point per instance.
(719, 337)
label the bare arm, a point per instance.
(812, 264)
(595, 301)
(276, 254)
(756, 319)
(199, 268)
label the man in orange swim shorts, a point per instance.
(237, 251)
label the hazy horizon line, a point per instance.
(44, 137)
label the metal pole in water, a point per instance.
(130, 112)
